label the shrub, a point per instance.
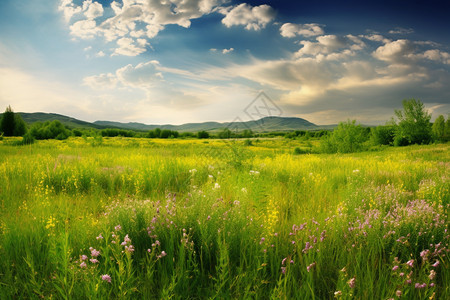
(346, 138)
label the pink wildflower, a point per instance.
(352, 282)
(106, 277)
(83, 265)
(95, 253)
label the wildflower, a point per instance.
(106, 277)
(283, 270)
(216, 186)
(149, 250)
(210, 176)
(291, 261)
(262, 240)
(309, 268)
(395, 268)
(432, 274)
(244, 190)
(398, 293)
(118, 228)
(95, 253)
(337, 293)
(435, 264)
(352, 282)
(283, 261)
(163, 253)
(410, 263)
(93, 260)
(129, 248)
(84, 257)
(401, 274)
(83, 265)
(424, 254)
(100, 237)
(208, 218)
(192, 171)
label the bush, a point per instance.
(346, 138)
(383, 135)
(49, 130)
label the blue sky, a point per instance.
(179, 61)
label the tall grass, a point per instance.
(128, 218)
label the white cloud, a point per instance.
(394, 51)
(102, 81)
(134, 19)
(143, 75)
(291, 30)
(100, 54)
(128, 47)
(85, 29)
(69, 9)
(330, 45)
(92, 9)
(253, 18)
(400, 30)
(226, 51)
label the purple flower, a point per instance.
(129, 249)
(149, 250)
(163, 253)
(84, 257)
(100, 237)
(95, 253)
(283, 261)
(118, 228)
(435, 264)
(106, 277)
(432, 275)
(83, 265)
(93, 260)
(395, 268)
(283, 270)
(309, 268)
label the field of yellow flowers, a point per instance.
(199, 219)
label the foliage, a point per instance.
(225, 134)
(414, 125)
(49, 130)
(203, 135)
(112, 132)
(12, 124)
(383, 135)
(440, 129)
(346, 138)
(166, 133)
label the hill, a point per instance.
(267, 124)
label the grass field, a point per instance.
(190, 219)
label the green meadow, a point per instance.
(110, 218)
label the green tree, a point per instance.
(438, 128)
(20, 128)
(8, 122)
(383, 135)
(202, 135)
(346, 138)
(414, 125)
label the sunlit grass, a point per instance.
(219, 219)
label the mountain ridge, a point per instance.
(265, 124)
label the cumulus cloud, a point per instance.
(129, 47)
(252, 17)
(331, 45)
(226, 51)
(142, 75)
(137, 19)
(291, 30)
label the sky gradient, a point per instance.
(180, 61)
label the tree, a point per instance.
(346, 138)
(8, 122)
(202, 135)
(20, 128)
(438, 128)
(414, 125)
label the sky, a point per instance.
(182, 61)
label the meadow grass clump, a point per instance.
(183, 219)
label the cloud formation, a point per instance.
(291, 30)
(251, 17)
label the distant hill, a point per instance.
(267, 124)
(69, 122)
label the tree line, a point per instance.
(413, 127)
